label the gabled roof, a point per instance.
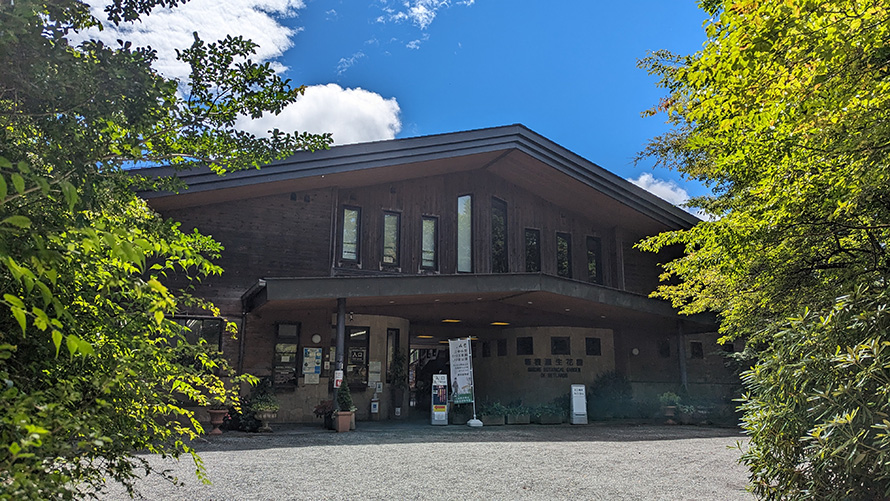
(512, 151)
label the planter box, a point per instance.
(343, 420)
(549, 419)
(518, 419)
(492, 420)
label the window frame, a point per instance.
(435, 242)
(530, 340)
(568, 239)
(557, 347)
(398, 243)
(593, 346)
(597, 259)
(471, 230)
(503, 256)
(537, 260)
(358, 234)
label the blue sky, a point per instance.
(383, 69)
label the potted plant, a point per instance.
(218, 411)
(325, 410)
(265, 407)
(345, 407)
(398, 380)
(518, 414)
(492, 414)
(669, 402)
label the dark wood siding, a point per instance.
(285, 235)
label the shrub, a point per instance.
(610, 395)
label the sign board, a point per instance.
(439, 408)
(338, 378)
(374, 370)
(461, 371)
(579, 404)
(311, 361)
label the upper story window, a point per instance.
(594, 260)
(499, 261)
(352, 231)
(196, 329)
(564, 255)
(532, 250)
(391, 226)
(465, 233)
(429, 243)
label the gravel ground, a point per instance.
(394, 461)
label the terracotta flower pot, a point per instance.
(216, 419)
(344, 421)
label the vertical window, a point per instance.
(207, 329)
(392, 344)
(284, 367)
(564, 255)
(664, 348)
(502, 347)
(499, 260)
(486, 348)
(430, 239)
(352, 230)
(560, 345)
(696, 349)
(391, 238)
(593, 346)
(465, 233)
(532, 250)
(525, 346)
(594, 260)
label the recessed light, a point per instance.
(450, 321)
(424, 337)
(529, 302)
(435, 300)
(443, 342)
(478, 299)
(500, 323)
(568, 309)
(392, 302)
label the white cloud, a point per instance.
(668, 190)
(346, 63)
(421, 13)
(352, 115)
(168, 29)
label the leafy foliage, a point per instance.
(784, 114)
(818, 407)
(92, 367)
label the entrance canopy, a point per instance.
(472, 301)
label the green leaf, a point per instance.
(19, 183)
(15, 301)
(19, 315)
(57, 341)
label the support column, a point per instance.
(681, 355)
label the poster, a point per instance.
(461, 371)
(375, 367)
(311, 361)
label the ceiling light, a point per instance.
(424, 337)
(568, 309)
(450, 321)
(500, 323)
(443, 342)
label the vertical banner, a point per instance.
(461, 371)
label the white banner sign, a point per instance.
(461, 371)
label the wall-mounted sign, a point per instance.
(311, 361)
(338, 378)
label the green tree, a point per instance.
(92, 369)
(784, 115)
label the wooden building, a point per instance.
(498, 234)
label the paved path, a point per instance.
(395, 461)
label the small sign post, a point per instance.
(579, 404)
(439, 408)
